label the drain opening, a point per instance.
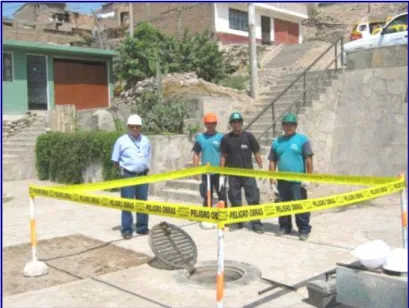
(235, 274)
(207, 274)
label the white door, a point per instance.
(395, 33)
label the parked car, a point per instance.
(393, 33)
(365, 29)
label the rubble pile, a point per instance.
(180, 84)
(13, 127)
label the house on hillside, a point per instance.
(114, 15)
(48, 22)
(38, 76)
(53, 16)
(275, 22)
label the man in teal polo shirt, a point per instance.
(291, 152)
(207, 146)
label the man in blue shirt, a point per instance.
(291, 153)
(132, 154)
(207, 146)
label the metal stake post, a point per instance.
(404, 210)
(220, 260)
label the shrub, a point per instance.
(238, 82)
(161, 117)
(62, 157)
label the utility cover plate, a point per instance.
(164, 250)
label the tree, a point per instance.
(140, 55)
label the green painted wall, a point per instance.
(15, 95)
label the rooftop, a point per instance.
(44, 47)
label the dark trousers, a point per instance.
(214, 187)
(251, 192)
(290, 191)
(139, 192)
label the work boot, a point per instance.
(283, 231)
(143, 232)
(127, 235)
(235, 227)
(304, 236)
(258, 228)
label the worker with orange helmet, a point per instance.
(207, 147)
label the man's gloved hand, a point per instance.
(222, 182)
(305, 184)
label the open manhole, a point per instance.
(207, 274)
(235, 274)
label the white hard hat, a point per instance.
(134, 119)
(397, 261)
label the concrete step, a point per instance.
(309, 75)
(267, 115)
(23, 147)
(300, 83)
(189, 184)
(267, 99)
(185, 195)
(13, 151)
(9, 157)
(17, 143)
(23, 139)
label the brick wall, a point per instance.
(174, 18)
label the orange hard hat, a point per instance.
(210, 118)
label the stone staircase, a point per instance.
(287, 62)
(19, 152)
(285, 102)
(289, 54)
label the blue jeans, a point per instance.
(139, 192)
(289, 191)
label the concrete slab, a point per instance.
(284, 259)
(146, 287)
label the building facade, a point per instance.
(276, 23)
(38, 76)
(114, 15)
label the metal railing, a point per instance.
(305, 88)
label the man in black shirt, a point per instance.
(236, 149)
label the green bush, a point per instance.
(62, 157)
(238, 82)
(160, 117)
(138, 55)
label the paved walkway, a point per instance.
(283, 259)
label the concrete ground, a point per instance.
(285, 259)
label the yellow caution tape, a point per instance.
(135, 180)
(214, 215)
(289, 176)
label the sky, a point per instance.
(82, 7)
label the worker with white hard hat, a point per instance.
(132, 154)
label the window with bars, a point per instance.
(238, 20)
(7, 66)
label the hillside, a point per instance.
(336, 19)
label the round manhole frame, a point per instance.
(192, 260)
(249, 273)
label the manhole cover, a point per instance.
(172, 245)
(235, 274)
